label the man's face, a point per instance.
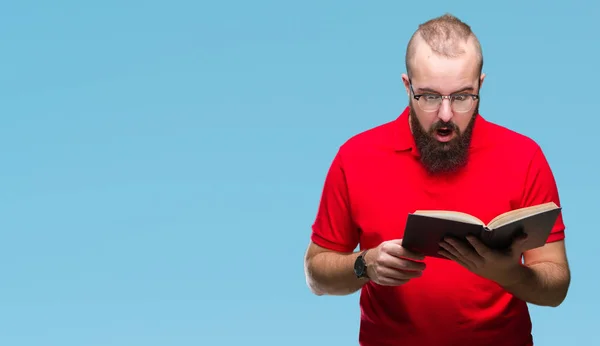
(443, 135)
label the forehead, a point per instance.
(444, 74)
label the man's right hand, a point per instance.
(389, 264)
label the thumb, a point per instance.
(405, 252)
(395, 241)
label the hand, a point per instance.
(498, 266)
(390, 264)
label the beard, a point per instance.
(438, 157)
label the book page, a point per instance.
(450, 215)
(518, 214)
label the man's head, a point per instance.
(443, 58)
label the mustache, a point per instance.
(442, 124)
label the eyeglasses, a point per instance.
(460, 103)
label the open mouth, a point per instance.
(444, 132)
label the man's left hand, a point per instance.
(499, 266)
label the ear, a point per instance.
(481, 78)
(406, 82)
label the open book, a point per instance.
(426, 228)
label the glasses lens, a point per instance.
(430, 102)
(462, 103)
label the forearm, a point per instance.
(543, 283)
(330, 273)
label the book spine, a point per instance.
(486, 235)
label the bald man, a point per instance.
(440, 153)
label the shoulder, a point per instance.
(510, 142)
(378, 139)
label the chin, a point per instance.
(446, 145)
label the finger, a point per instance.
(465, 252)
(392, 279)
(390, 261)
(396, 274)
(450, 249)
(460, 247)
(452, 253)
(395, 241)
(411, 255)
(454, 258)
(391, 282)
(395, 249)
(479, 247)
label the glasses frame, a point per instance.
(450, 98)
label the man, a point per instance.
(440, 153)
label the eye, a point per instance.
(460, 97)
(431, 97)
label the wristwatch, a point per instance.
(360, 266)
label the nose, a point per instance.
(445, 111)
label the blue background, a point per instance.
(162, 162)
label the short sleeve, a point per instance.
(334, 228)
(540, 187)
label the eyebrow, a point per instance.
(429, 90)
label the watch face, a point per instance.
(359, 267)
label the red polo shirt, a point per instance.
(376, 179)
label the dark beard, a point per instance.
(442, 157)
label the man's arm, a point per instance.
(330, 272)
(329, 267)
(329, 260)
(388, 264)
(544, 278)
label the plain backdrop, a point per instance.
(162, 162)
